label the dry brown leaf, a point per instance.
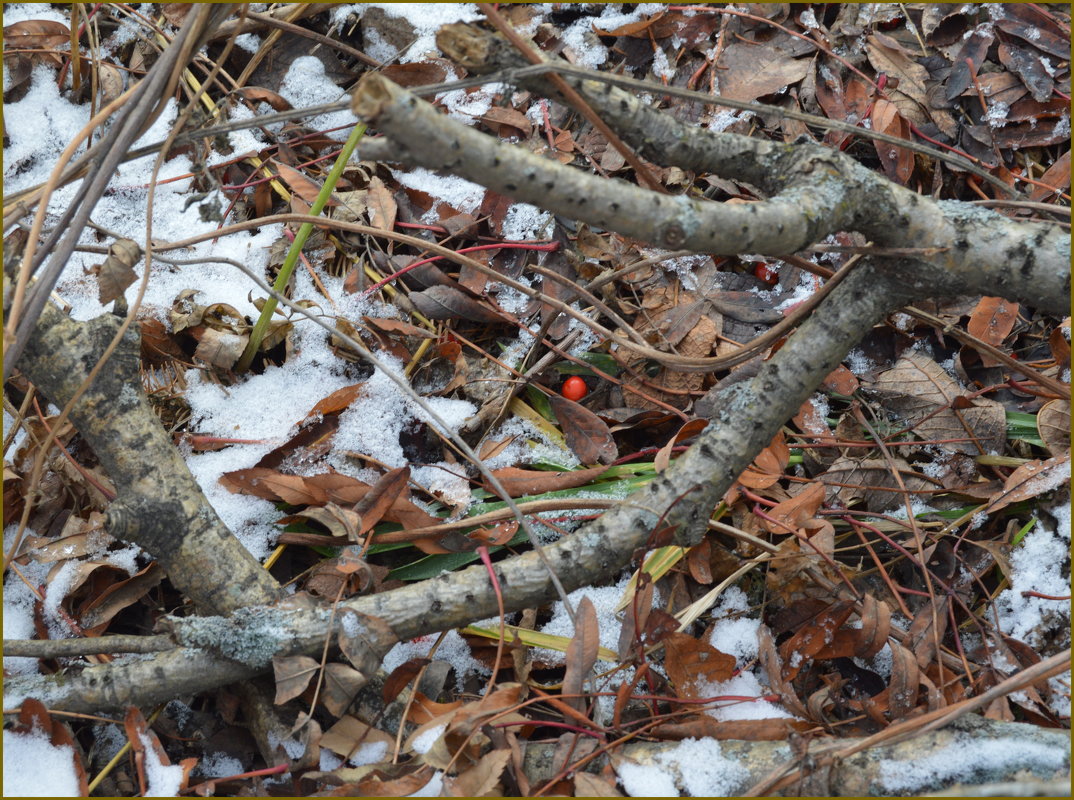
(293, 674)
(99, 612)
(792, 514)
(768, 655)
(587, 785)
(350, 733)
(389, 489)
(1053, 426)
(382, 206)
(341, 685)
(35, 720)
(812, 638)
(519, 482)
(898, 162)
(483, 778)
(991, 322)
(692, 665)
(587, 435)
(220, 348)
(302, 186)
(910, 95)
(927, 630)
(749, 71)
(1054, 180)
(364, 640)
(772, 729)
(258, 94)
(581, 654)
(1031, 480)
(870, 480)
(117, 271)
(447, 302)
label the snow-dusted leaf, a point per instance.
(1031, 480)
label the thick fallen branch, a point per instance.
(160, 506)
(815, 192)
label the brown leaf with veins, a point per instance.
(293, 674)
(587, 435)
(1031, 480)
(918, 389)
(581, 654)
(447, 302)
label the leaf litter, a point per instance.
(315, 444)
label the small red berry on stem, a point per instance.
(574, 388)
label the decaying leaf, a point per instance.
(117, 271)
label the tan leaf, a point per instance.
(341, 685)
(918, 389)
(350, 733)
(483, 778)
(221, 348)
(117, 271)
(382, 206)
(110, 82)
(1053, 425)
(870, 480)
(364, 640)
(293, 675)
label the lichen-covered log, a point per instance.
(159, 506)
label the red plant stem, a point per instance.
(108, 494)
(648, 451)
(483, 552)
(1029, 593)
(550, 724)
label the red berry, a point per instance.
(765, 273)
(574, 388)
